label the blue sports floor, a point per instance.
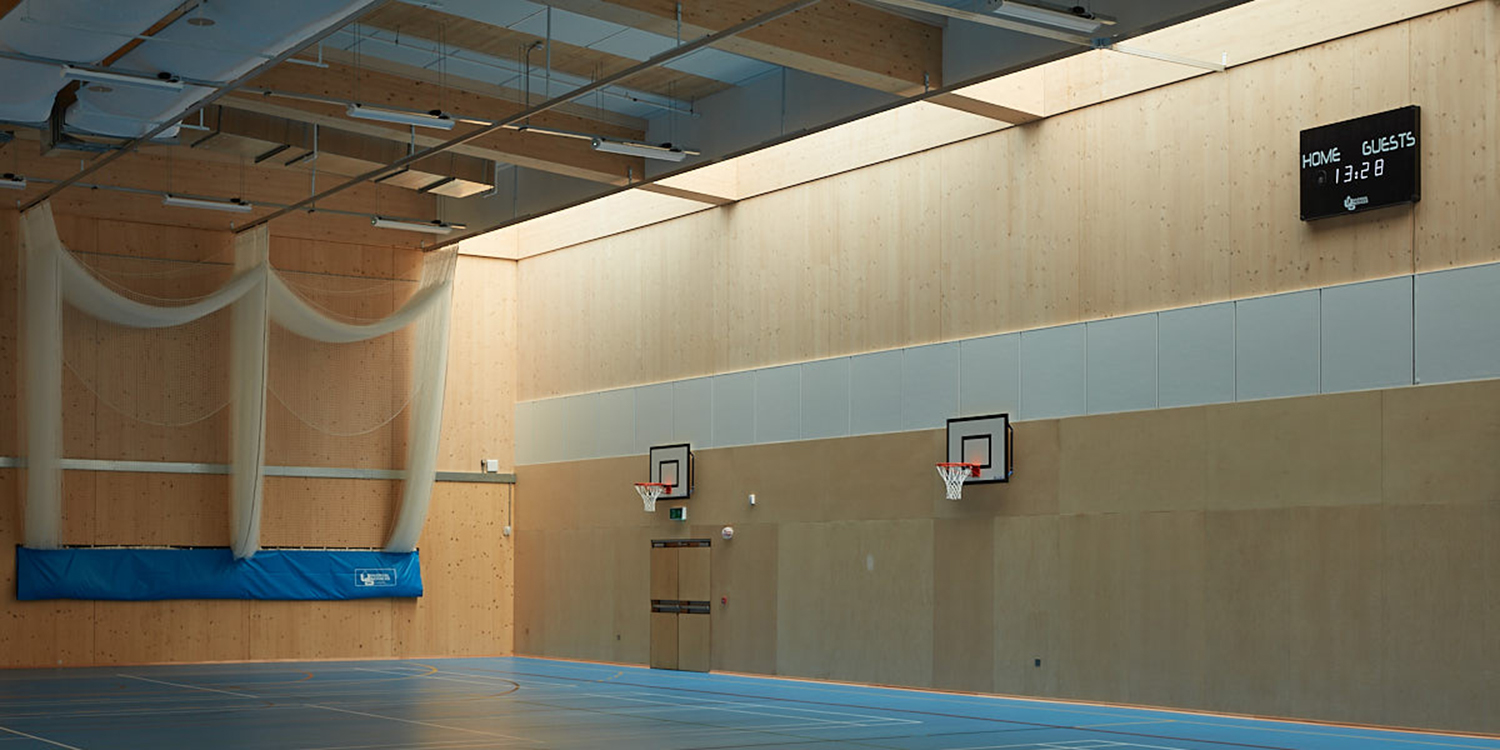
(452, 704)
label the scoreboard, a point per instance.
(1361, 164)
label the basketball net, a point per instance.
(649, 492)
(953, 477)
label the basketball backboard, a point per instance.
(673, 464)
(983, 440)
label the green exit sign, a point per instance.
(678, 513)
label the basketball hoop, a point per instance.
(649, 492)
(954, 475)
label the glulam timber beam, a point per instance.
(836, 39)
(571, 157)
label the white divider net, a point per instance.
(258, 296)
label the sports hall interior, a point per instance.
(1255, 457)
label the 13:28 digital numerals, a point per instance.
(1364, 170)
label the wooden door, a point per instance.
(680, 591)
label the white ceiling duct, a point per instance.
(218, 41)
(81, 31)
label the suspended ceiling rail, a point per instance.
(209, 98)
(550, 104)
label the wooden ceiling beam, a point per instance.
(565, 156)
(508, 44)
(594, 116)
(268, 131)
(837, 39)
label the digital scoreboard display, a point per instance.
(1361, 164)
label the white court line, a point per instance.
(38, 739)
(189, 687)
(421, 723)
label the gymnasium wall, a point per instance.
(467, 562)
(1179, 195)
(1327, 556)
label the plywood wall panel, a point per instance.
(1321, 450)
(1164, 240)
(159, 509)
(1166, 660)
(1029, 593)
(745, 571)
(1095, 597)
(468, 577)
(1271, 102)
(1453, 56)
(1439, 444)
(1146, 461)
(302, 512)
(963, 598)
(1440, 591)
(153, 632)
(836, 585)
(1248, 613)
(1338, 610)
(479, 404)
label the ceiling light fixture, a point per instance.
(235, 205)
(12, 181)
(434, 119)
(169, 82)
(645, 150)
(435, 227)
(1077, 18)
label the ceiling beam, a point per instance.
(984, 109)
(508, 44)
(565, 156)
(590, 113)
(836, 39)
(253, 134)
(207, 99)
(547, 106)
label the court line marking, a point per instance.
(1229, 722)
(189, 687)
(39, 739)
(422, 723)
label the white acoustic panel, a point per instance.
(692, 411)
(825, 398)
(1366, 335)
(1195, 356)
(1458, 324)
(734, 409)
(549, 429)
(580, 427)
(525, 433)
(1053, 378)
(778, 404)
(875, 393)
(1277, 346)
(653, 416)
(929, 386)
(1122, 364)
(989, 375)
(615, 423)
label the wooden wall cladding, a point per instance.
(479, 406)
(1312, 557)
(1174, 196)
(466, 560)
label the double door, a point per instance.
(680, 604)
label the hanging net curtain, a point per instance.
(203, 333)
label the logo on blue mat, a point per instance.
(374, 577)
